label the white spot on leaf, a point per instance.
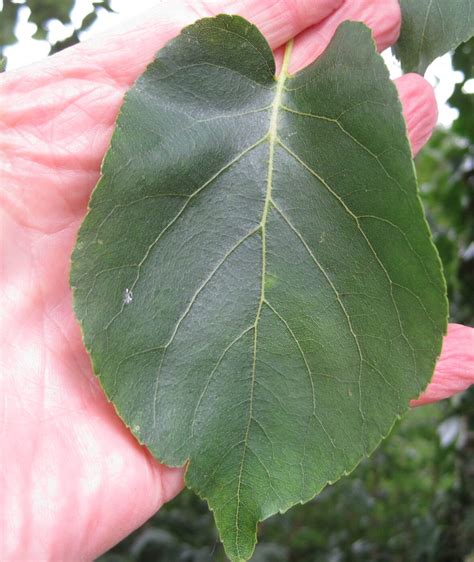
(127, 296)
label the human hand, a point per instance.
(69, 455)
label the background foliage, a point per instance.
(413, 500)
(42, 12)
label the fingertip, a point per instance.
(419, 108)
(384, 21)
(171, 481)
(455, 368)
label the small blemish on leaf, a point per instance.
(270, 281)
(127, 296)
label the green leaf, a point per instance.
(463, 60)
(41, 34)
(431, 28)
(255, 278)
(8, 23)
(43, 11)
(88, 20)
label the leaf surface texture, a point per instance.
(255, 278)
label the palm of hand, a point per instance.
(72, 453)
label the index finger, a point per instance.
(383, 18)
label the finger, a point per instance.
(383, 18)
(279, 20)
(419, 108)
(125, 51)
(455, 369)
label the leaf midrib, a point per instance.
(272, 138)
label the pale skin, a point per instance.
(76, 481)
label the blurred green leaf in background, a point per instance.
(41, 14)
(413, 500)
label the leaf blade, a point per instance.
(250, 335)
